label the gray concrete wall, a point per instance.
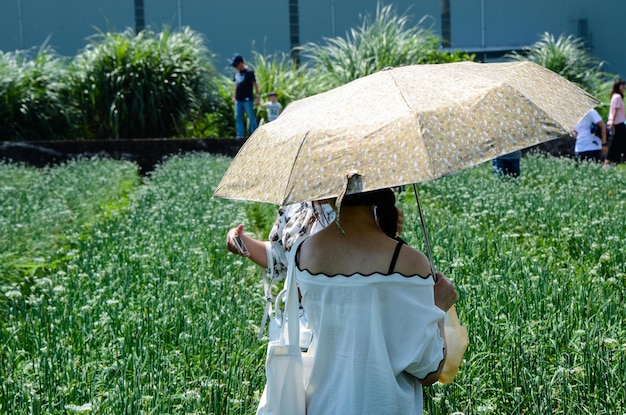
(65, 24)
(263, 25)
(504, 24)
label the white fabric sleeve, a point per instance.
(428, 356)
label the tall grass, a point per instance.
(570, 57)
(44, 211)
(152, 315)
(142, 85)
(386, 39)
(540, 264)
(280, 74)
(34, 96)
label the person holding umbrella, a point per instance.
(331, 146)
(376, 312)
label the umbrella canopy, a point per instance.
(402, 125)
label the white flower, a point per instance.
(59, 289)
(86, 407)
(13, 294)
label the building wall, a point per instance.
(508, 24)
(64, 24)
(263, 25)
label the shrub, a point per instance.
(388, 39)
(281, 74)
(33, 95)
(569, 57)
(215, 116)
(141, 86)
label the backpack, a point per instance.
(597, 131)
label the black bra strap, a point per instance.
(396, 252)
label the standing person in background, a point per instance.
(507, 165)
(590, 147)
(273, 107)
(617, 148)
(243, 95)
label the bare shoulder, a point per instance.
(313, 248)
(411, 261)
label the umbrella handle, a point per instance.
(425, 232)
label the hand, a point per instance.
(445, 294)
(230, 240)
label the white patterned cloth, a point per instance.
(293, 222)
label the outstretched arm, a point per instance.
(256, 248)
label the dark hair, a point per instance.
(236, 60)
(616, 84)
(385, 202)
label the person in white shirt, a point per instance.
(273, 107)
(591, 138)
(376, 312)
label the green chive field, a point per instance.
(117, 295)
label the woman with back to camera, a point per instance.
(616, 118)
(376, 312)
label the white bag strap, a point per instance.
(267, 280)
(280, 297)
(292, 305)
(267, 288)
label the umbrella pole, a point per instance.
(425, 232)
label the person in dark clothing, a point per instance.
(243, 95)
(617, 117)
(507, 165)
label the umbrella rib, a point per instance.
(430, 167)
(293, 166)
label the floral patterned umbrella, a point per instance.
(400, 126)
